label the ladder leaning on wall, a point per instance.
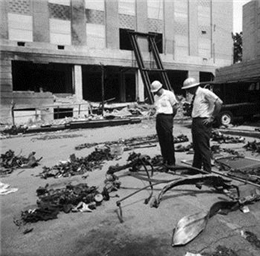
(144, 71)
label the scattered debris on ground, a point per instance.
(133, 143)
(72, 198)
(251, 238)
(221, 251)
(9, 162)
(253, 146)
(221, 138)
(59, 136)
(5, 189)
(78, 166)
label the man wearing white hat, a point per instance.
(205, 107)
(166, 106)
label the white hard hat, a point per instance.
(189, 83)
(155, 86)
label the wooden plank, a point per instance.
(23, 100)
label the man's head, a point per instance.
(156, 86)
(190, 85)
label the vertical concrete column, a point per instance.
(139, 87)
(169, 27)
(3, 19)
(195, 74)
(78, 22)
(142, 23)
(193, 27)
(77, 82)
(112, 24)
(41, 30)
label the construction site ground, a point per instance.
(144, 230)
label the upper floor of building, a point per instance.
(188, 31)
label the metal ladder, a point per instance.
(144, 71)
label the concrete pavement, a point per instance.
(144, 231)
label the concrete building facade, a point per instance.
(52, 49)
(248, 70)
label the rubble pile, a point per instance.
(253, 146)
(78, 166)
(14, 130)
(9, 161)
(221, 138)
(77, 198)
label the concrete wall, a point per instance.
(222, 26)
(251, 30)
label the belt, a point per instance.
(162, 114)
(198, 117)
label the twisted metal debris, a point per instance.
(78, 166)
(9, 162)
(80, 197)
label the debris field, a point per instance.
(106, 191)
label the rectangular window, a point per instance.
(125, 43)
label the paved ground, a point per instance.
(145, 230)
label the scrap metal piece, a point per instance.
(211, 180)
(192, 225)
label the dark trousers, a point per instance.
(201, 144)
(164, 128)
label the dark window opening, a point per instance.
(113, 84)
(124, 40)
(21, 43)
(63, 112)
(55, 78)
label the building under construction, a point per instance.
(76, 51)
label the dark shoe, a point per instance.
(170, 166)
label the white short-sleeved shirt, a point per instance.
(165, 102)
(204, 103)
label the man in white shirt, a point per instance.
(166, 106)
(205, 107)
